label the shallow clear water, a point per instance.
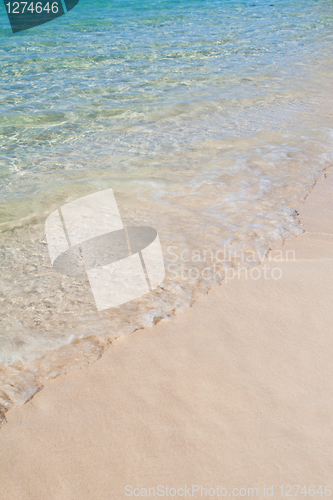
(209, 119)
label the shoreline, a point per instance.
(16, 392)
(198, 398)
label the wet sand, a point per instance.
(235, 392)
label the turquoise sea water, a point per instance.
(209, 119)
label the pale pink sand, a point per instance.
(236, 392)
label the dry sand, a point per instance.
(235, 392)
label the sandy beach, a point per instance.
(231, 398)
